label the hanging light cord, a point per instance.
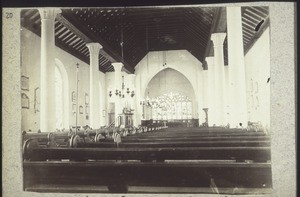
(122, 41)
(147, 48)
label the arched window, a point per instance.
(58, 98)
(62, 96)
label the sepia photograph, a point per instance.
(146, 100)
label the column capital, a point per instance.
(49, 13)
(94, 47)
(132, 75)
(218, 39)
(117, 66)
(209, 61)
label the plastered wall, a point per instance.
(257, 68)
(30, 67)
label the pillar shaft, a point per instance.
(94, 100)
(218, 40)
(139, 107)
(211, 90)
(205, 82)
(133, 99)
(205, 92)
(236, 67)
(227, 95)
(118, 86)
(47, 110)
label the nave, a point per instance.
(153, 159)
(154, 100)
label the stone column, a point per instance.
(138, 97)
(132, 99)
(205, 91)
(227, 96)
(218, 40)
(211, 90)
(205, 83)
(236, 67)
(48, 115)
(118, 86)
(94, 100)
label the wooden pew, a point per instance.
(184, 163)
(191, 136)
(66, 138)
(196, 131)
(33, 152)
(210, 138)
(119, 176)
(153, 144)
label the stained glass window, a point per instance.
(171, 106)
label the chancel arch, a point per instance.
(169, 95)
(181, 61)
(178, 60)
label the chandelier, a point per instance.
(121, 93)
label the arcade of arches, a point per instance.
(167, 85)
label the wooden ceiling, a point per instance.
(128, 34)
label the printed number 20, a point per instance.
(9, 15)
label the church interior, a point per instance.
(171, 99)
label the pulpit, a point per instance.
(126, 119)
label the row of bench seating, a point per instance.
(189, 157)
(67, 138)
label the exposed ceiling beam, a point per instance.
(71, 27)
(84, 37)
(219, 12)
(257, 34)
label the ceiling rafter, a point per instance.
(257, 12)
(197, 37)
(79, 45)
(168, 29)
(72, 21)
(216, 19)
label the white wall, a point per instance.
(179, 60)
(257, 68)
(31, 52)
(30, 67)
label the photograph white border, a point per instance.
(282, 28)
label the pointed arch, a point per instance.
(152, 75)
